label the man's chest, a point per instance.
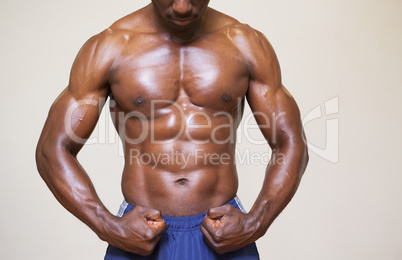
(207, 74)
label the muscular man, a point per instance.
(177, 73)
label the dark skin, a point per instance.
(177, 73)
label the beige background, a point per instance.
(348, 49)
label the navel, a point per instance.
(182, 181)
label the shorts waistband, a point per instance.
(183, 223)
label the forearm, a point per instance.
(282, 178)
(72, 187)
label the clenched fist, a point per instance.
(138, 231)
(227, 229)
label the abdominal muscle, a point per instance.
(180, 179)
(180, 160)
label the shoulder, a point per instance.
(234, 29)
(251, 42)
(107, 44)
(101, 49)
(97, 55)
(255, 48)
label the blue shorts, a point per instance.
(183, 241)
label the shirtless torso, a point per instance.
(186, 100)
(177, 95)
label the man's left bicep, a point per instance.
(274, 108)
(276, 113)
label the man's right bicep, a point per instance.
(74, 114)
(70, 122)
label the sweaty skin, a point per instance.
(177, 74)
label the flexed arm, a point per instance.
(270, 100)
(70, 122)
(225, 228)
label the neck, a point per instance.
(179, 33)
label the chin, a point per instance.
(182, 23)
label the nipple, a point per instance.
(226, 98)
(139, 101)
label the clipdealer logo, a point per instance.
(330, 152)
(106, 132)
